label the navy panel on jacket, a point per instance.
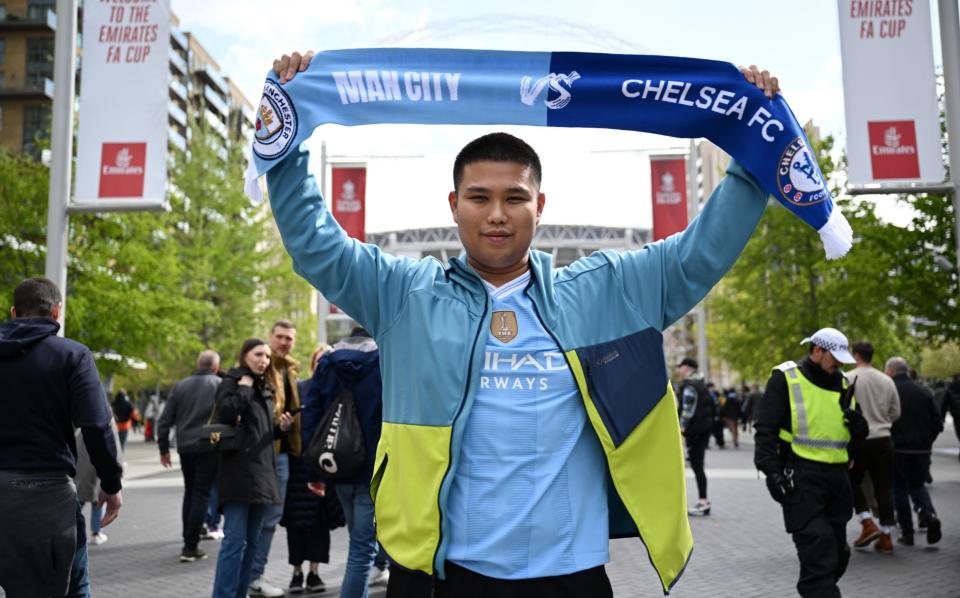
(626, 378)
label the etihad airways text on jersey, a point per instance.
(383, 86)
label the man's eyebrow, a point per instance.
(479, 189)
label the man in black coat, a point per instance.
(913, 435)
(51, 386)
(697, 414)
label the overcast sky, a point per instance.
(585, 182)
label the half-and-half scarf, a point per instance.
(678, 97)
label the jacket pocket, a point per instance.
(377, 477)
(626, 378)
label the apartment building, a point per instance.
(198, 88)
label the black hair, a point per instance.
(497, 147)
(246, 347)
(36, 297)
(864, 350)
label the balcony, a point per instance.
(215, 123)
(179, 38)
(177, 114)
(178, 89)
(216, 102)
(37, 19)
(177, 140)
(213, 77)
(177, 62)
(27, 90)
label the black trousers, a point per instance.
(311, 544)
(463, 583)
(199, 475)
(876, 457)
(696, 449)
(816, 514)
(38, 533)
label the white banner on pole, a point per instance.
(124, 104)
(892, 117)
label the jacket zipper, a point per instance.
(453, 424)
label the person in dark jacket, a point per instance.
(51, 386)
(913, 435)
(698, 412)
(247, 480)
(354, 363)
(188, 409)
(304, 514)
(806, 458)
(730, 413)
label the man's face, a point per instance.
(282, 340)
(684, 371)
(824, 359)
(497, 209)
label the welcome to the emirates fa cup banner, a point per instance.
(680, 97)
(124, 103)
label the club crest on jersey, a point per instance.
(798, 176)
(504, 326)
(276, 124)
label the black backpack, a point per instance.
(337, 449)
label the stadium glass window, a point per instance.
(37, 9)
(3, 50)
(39, 61)
(3, 12)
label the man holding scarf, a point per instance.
(518, 398)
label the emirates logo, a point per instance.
(891, 138)
(124, 157)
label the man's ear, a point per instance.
(452, 199)
(13, 312)
(541, 201)
(55, 312)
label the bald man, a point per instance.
(188, 408)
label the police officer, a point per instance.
(805, 427)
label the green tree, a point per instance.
(23, 220)
(783, 289)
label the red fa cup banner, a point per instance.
(124, 104)
(890, 97)
(348, 188)
(668, 178)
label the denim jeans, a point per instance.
(96, 515)
(274, 513)
(242, 523)
(380, 562)
(358, 511)
(909, 474)
(213, 508)
(80, 571)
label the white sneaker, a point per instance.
(214, 534)
(260, 587)
(98, 538)
(378, 577)
(701, 509)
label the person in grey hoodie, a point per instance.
(189, 408)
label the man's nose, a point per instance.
(497, 214)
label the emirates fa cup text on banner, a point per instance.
(124, 103)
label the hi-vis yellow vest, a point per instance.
(817, 431)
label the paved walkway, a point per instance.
(741, 549)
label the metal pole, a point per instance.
(950, 48)
(61, 147)
(693, 208)
(323, 307)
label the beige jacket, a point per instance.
(878, 399)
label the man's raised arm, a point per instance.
(360, 279)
